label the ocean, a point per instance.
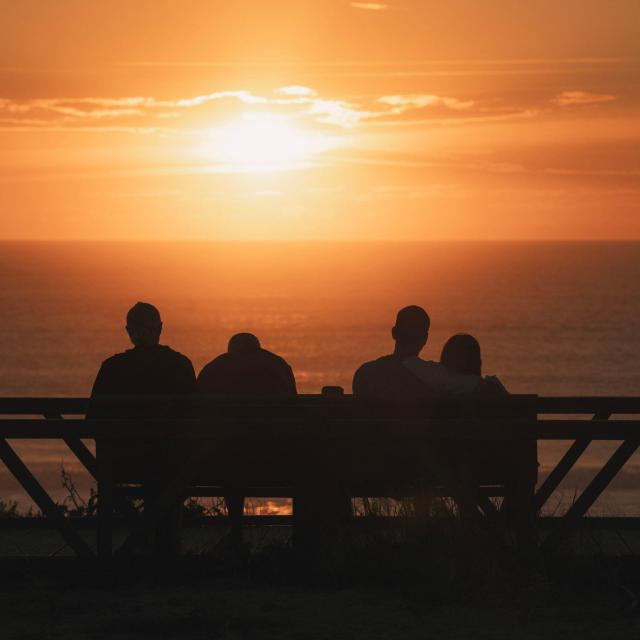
(552, 318)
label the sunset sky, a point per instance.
(322, 120)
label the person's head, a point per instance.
(144, 325)
(243, 343)
(411, 330)
(461, 353)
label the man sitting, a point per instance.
(246, 370)
(402, 379)
(405, 385)
(149, 369)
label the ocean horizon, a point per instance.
(553, 318)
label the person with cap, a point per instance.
(148, 369)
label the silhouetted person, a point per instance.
(461, 354)
(246, 370)
(148, 369)
(402, 379)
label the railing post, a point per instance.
(104, 455)
(524, 493)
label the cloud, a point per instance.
(296, 90)
(401, 103)
(295, 100)
(193, 115)
(369, 6)
(579, 98)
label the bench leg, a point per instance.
(235, 509)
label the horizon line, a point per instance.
(325, 241)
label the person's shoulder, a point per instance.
(418, 365)
(117, 358)
(273, 358)
(217, 363)
(382, 361)
(373, 367)
(172, 354)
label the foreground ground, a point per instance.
(448, 581)
(36, 605)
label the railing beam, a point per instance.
(49, 509)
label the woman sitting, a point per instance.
(461, 354)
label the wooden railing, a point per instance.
(330, 423)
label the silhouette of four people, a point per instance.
(401, 381)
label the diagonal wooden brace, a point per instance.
(562, 469)
(77, 447)
(83, 454)
(42, 499)
(593, 491)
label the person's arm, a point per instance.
(291, 381)
(101, 387)
(359, 385)
(440, 379)
(188, 382)
(205, 381)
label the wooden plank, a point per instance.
(593, 491)
(588, 405)
(341, 429)
(42, 500)
(603, 523)
(42, 406)
(595, 523)
(545, 405)
(279, 491)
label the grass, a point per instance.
(431, 578)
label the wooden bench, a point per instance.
(314, 444)
(324, 448)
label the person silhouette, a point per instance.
(461, 354)
(402, 379)
(148, 369)
(245, 370)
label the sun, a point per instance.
(266, 143)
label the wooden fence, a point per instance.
(314, 431)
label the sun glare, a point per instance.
(265, 144)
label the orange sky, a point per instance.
(407, 120)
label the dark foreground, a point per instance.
(41, 610)
(387, 594)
